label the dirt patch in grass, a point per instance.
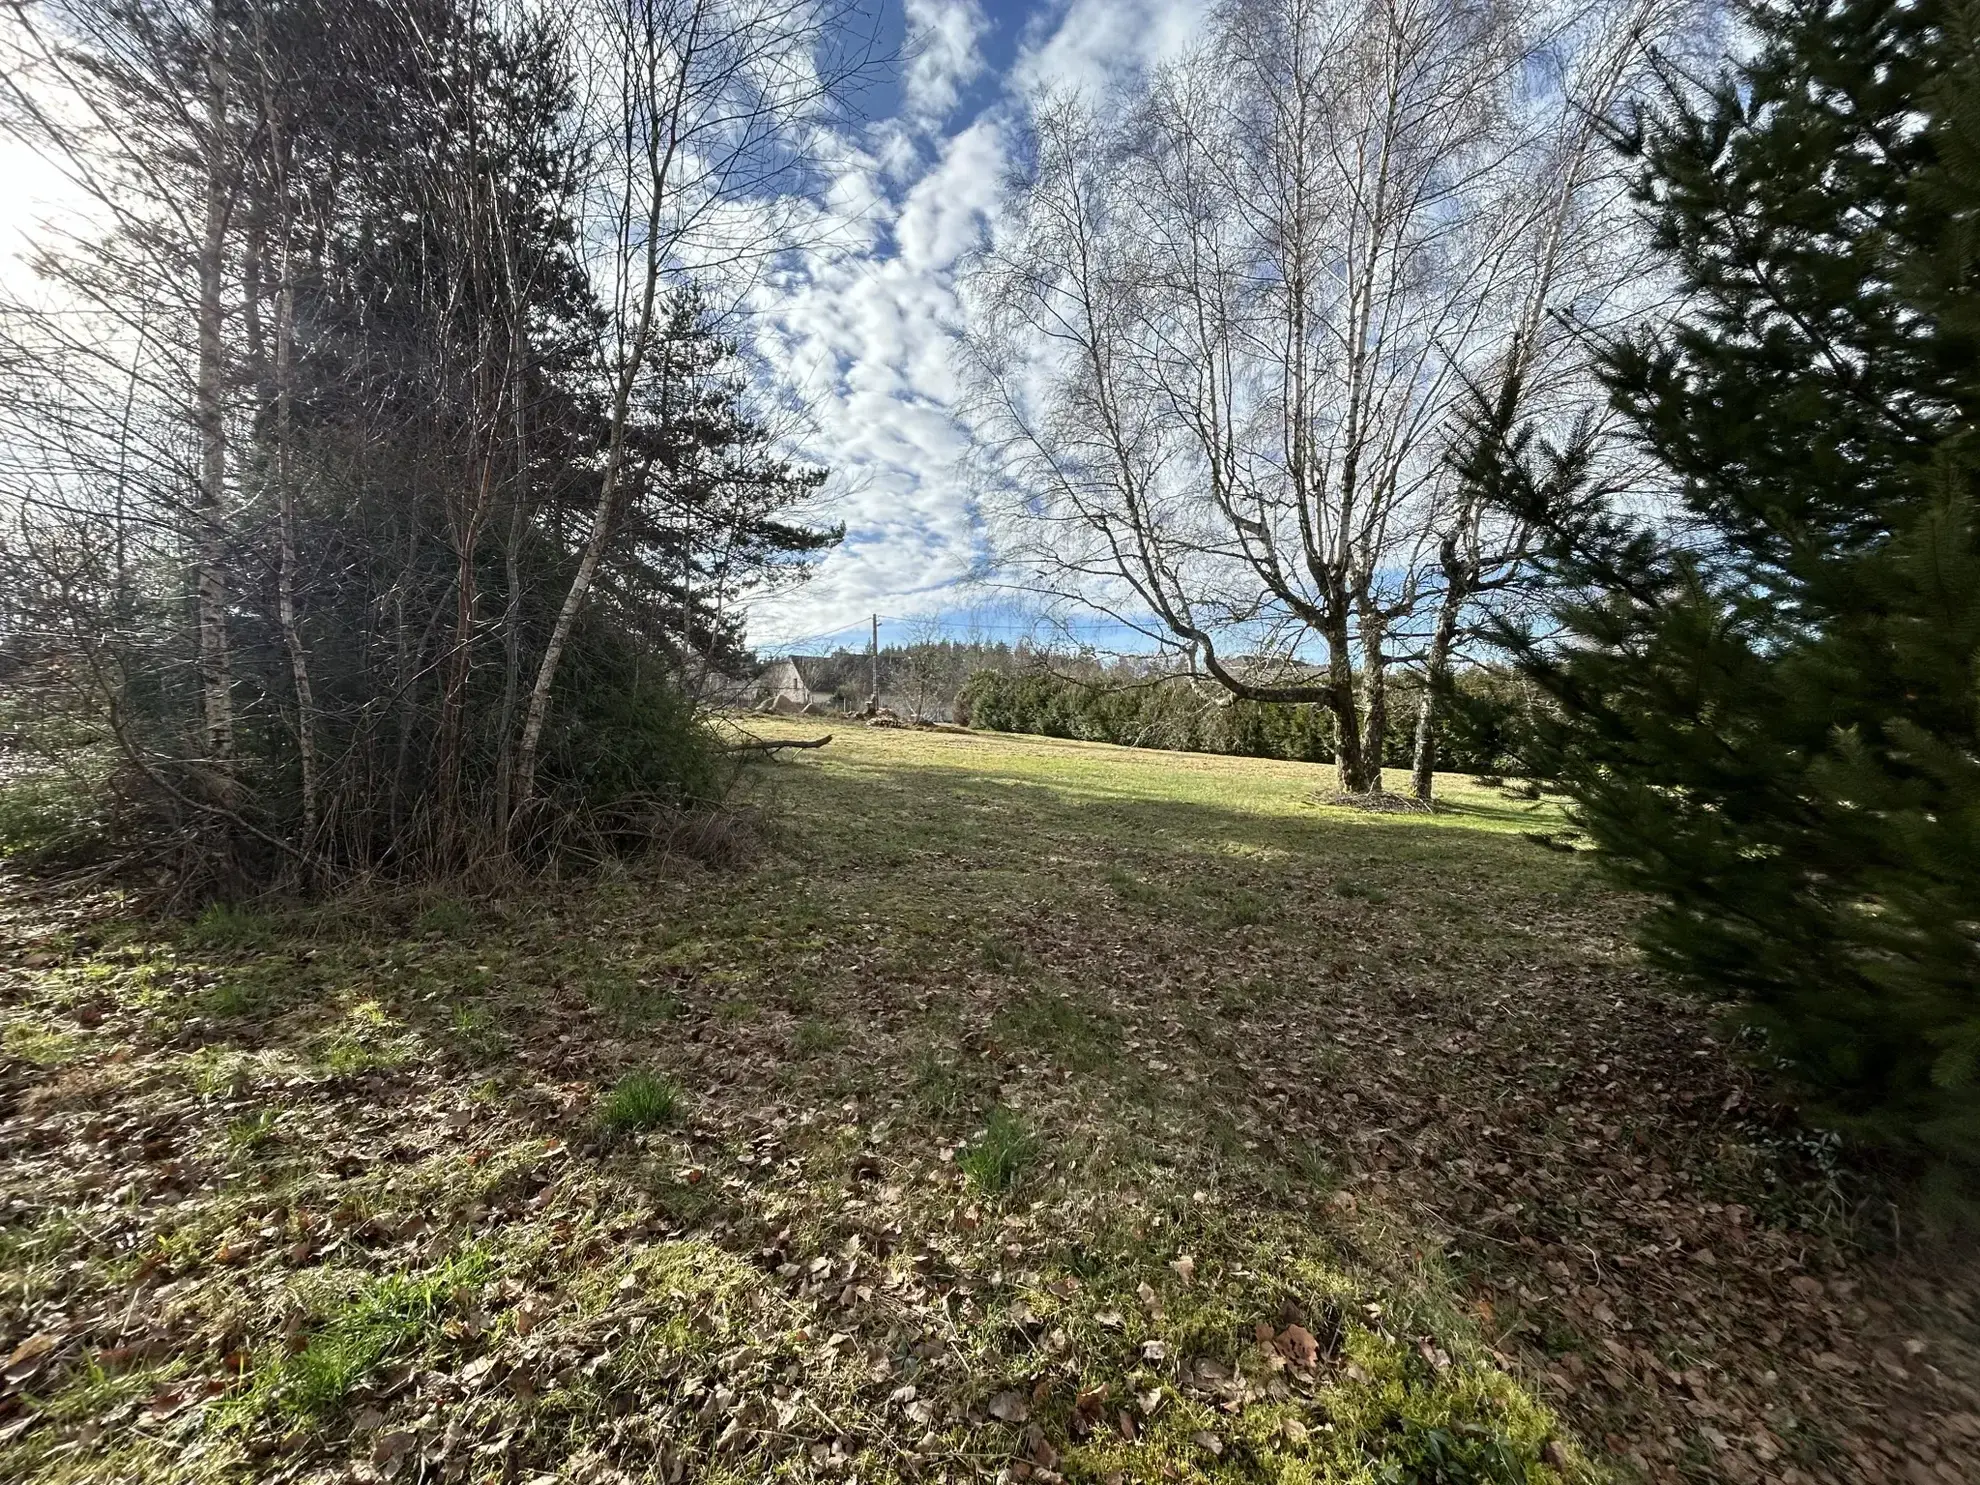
(1033, 1110)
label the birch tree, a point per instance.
(1219, 352)
(707, 103)
(122, 370)
(361, 313)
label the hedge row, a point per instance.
(1484, 720)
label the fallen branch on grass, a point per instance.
(765, 745)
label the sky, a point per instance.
(864, 325)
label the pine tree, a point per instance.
(1769, 706)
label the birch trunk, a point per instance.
(505, 763)
(1436, 683)
(560, 634)
(1374, 703)
(659, 160)
(215, 661)
(285, 575)
(1350, 766)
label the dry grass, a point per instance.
(1024, 1109)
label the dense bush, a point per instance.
(629, 744)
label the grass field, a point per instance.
(1025, 1109)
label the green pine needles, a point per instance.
(1772, 723)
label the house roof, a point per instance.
(806, 666)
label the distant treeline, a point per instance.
(1485, 722)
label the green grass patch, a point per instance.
(1060, 1025)
(816, 1038)
(999, 1156)
(639, 1100)
(447, 918)
(1237, 908)
(382, 1319)
(255, 1132)
(941, 1085)
(475, 1032)
(37, 1042)
(368, 1039)
(256, 989)
(231, 929)
(1001, 956)
(1355, 891)
(1133, 890)
(631, 998)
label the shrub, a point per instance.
(49, 819)
(628, 740)
(1485, 724)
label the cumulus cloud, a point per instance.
(943, 57)
(870, 337)
(865, 325)
(1094, 44)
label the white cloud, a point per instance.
(943, 57)
(870, 335)
(864, 327)
(860, 325)
(1093, 44)
(942, 216)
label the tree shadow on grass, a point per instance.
(1353, 1061)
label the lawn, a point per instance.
(1022, 1110)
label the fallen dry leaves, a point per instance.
(1469, 1078)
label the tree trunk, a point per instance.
(659, 161)
(285, 578)
(404, 683)
(1436, 684)
(454, 679)
(1374, 703)
(475, 204)
(505, 762)
(505, 755)
(560, 633)
(1349, 763)
(215, 661)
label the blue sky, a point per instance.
(862, 323)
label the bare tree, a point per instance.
(1220, 350)
(1578, 271)
(929, 670)
(220, 190)
(707, 103)
(119, 375)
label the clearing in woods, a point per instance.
(1023, 1109)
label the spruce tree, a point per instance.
(1768, 703)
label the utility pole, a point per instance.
(873, 700)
